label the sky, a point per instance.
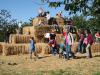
(24, 9)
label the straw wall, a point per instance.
(17, 38)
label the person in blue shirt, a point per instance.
(32, 47)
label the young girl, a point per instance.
(84, 45)
(32, 47)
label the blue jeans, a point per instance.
(32, 50)
(53, 50)
(80, 46)
(69, 52)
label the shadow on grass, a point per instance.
(97, 56)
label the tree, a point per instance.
(87, 7)
(7, 24)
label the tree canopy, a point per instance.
(7, 24)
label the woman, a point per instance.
(89, 43)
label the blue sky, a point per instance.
(24, 9)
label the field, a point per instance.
(49, 65)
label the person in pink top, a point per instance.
(68, 43)
(84, 45)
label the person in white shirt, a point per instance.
(47, 37)
(48, 15)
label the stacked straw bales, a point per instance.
(58, 38)
(60, 21)
(28, 29)
(43, 48)
(39, 32)
(13, 49)
(38, 20)
(1, 47)
(17, 38)
(95, 47)
(74, 47)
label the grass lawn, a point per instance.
(49, 65)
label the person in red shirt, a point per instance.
(89, 43)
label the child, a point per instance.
(84, 45)
(62, 49)
(53, 46)
(32, 47)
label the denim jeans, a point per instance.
(31, 51)
(88, 51)
(69, 52)
(53, 50)
(80, 46)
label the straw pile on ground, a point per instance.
(95, 47)
(17, 38)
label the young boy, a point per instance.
(32, 47)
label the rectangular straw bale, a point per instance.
(60, 21)
(95, 47)
(74, 47)
(17, 38)
(58, 38)
(1, 47)
(13, 49)
(39, 32)
(42, 48)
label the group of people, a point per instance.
(64, 48)
(85, 42)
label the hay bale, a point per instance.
(95, 47)
(1, 47)
(38, 47)
(28, 29)
(74, 47)
(14, 49)
(19, 38)
(38, 20)
(58, 38)
(43, 48)
(60, 21)
(39, 32)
